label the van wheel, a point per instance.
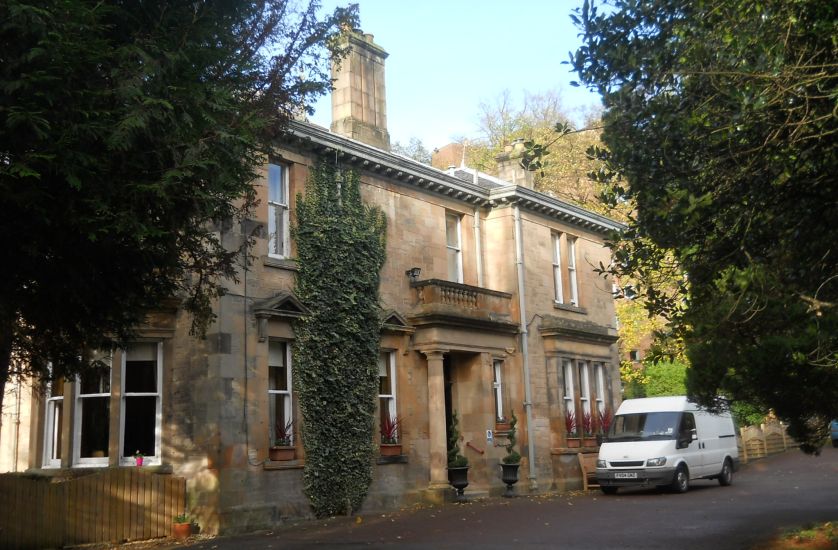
(726, 475)
(681, 480)
(835, 442)
(609, 490)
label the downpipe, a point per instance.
(522, 305)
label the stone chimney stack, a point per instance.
(359, 106)
(509, 165)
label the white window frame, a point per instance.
(455, 248)
(571, 271)
(52, 432)
(497, 387)
(387, 360)
(279, 240)
(78, 460)
(569, 391)
(286, 394)
(557, 268)
(599, 377)
(584, 387)
(158, 423)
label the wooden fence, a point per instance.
(763, 440)
(113, 505)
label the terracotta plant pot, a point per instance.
(589, 441)
(574, 442)
(391, 449)
(282, 453)
(181, 531)
(502, 426)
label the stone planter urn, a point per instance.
(509, 475)
(458, 478)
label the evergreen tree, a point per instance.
(720, 123)
(130, 132)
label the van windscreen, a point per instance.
(644, 426)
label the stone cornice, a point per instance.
(305, 137)
(581, 331)
(300, 135)
(534, 201)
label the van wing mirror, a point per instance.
(693, 435)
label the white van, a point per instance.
(666, 442)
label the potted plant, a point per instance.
(138, 458)
(457, 463)
(389, 428)
(512, 461)
(282, 449)
(588, 429)
(573, 440)
(605, 419)
(181, 527)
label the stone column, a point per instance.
(436, 419)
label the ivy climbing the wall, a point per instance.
(341, 248)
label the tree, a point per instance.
(336, 349)
(130, 134)
(414, 149)
(720, 124)
(665, 378)
(564, 166)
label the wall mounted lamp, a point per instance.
(413, 273)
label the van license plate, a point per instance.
(625, 475)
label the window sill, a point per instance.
(296, 464)
(398, 459)
(280, 263)
(573, 450)
(570, 307)
(76, 470)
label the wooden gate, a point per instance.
(113, 505)
(763, 440)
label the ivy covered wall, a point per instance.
(341, 249)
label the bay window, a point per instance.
(141, 412)
(92, 414)
(53, 433)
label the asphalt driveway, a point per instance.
(767, 496)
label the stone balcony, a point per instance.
(439, 302)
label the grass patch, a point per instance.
(821, 536)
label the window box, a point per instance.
(391, 449)
(282, 453)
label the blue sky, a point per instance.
(446, 57)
